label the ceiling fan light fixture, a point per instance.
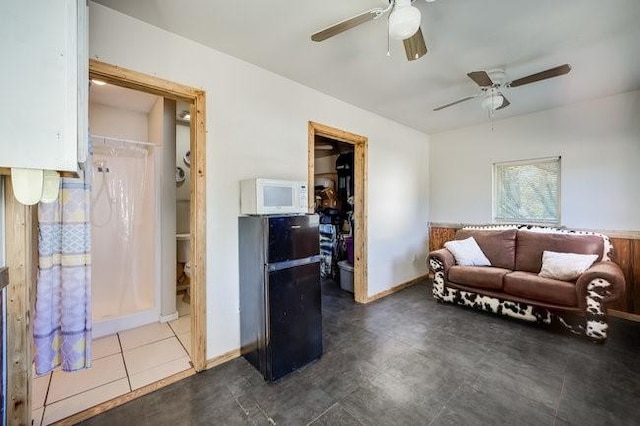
(404, 20)
(492, 102)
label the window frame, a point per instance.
(527, 162)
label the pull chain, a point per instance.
(491, 110)
(388, 39)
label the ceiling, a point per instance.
(122, 98)
(326, 147)
(130, 100)
(598, 38)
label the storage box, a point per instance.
(346, 275)
(329, 204)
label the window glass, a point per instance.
(527, 191)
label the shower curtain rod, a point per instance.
(130, 141)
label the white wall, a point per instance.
(257, 126)
(162, 131)
(120, 123)
(599, 142)
(183, 191)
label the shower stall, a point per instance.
(124, 211)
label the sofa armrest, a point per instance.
(606, 271)
(444, 257)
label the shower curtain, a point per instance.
(62, 321)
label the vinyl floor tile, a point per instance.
(74, 404)
(141, 336)
(104, 370)
(105, 346)
(40, 389)
(153, 354)
(181, 325)
(36, 416)
(336, 416)
(408, 360)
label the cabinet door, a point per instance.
(43, 81)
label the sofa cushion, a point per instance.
(531, 286)
(478, 276)
(467, 252)
(565, 266)
(530, 245)
(498, 246)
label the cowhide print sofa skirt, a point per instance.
(512, 287)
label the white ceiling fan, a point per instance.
(403, 24)
(492, 84)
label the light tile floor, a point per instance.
(122, 362)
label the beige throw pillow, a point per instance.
(467, 252)
(565, 266)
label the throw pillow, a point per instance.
(565, 266)
(467, 252)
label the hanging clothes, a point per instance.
(344, 168)
(328, 250)
(62, 319)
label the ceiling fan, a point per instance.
(404, 24)
(493, 82)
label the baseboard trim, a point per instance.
(624, 315)
(221, 359)
(122, 399)
(396, 288)
(170, 317)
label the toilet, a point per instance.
(183, 242)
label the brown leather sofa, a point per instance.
(511, 286)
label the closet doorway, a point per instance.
(348, 198)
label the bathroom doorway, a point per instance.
(195, 99)
(142, 304)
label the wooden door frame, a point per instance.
(360, 144)
(196, 98)
(21, 258)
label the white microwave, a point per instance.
(273, 196)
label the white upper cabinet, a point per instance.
(44, 84)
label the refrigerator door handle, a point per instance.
(292, 263)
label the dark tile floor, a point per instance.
(407, 360)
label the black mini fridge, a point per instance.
(280, 302)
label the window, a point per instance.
(527, 191)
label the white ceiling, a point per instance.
(122, 98)
(600, 39)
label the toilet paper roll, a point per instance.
(27, 185)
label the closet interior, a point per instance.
(334, 203)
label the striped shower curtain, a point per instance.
(62, 321)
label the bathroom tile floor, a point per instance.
(122, 362)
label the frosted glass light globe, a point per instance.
(492, 102)
(404, 22)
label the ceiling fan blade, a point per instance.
(345, 25)
(505, 103)
(415, 46)
(481, 78)
(542, 75)
(456, 102)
